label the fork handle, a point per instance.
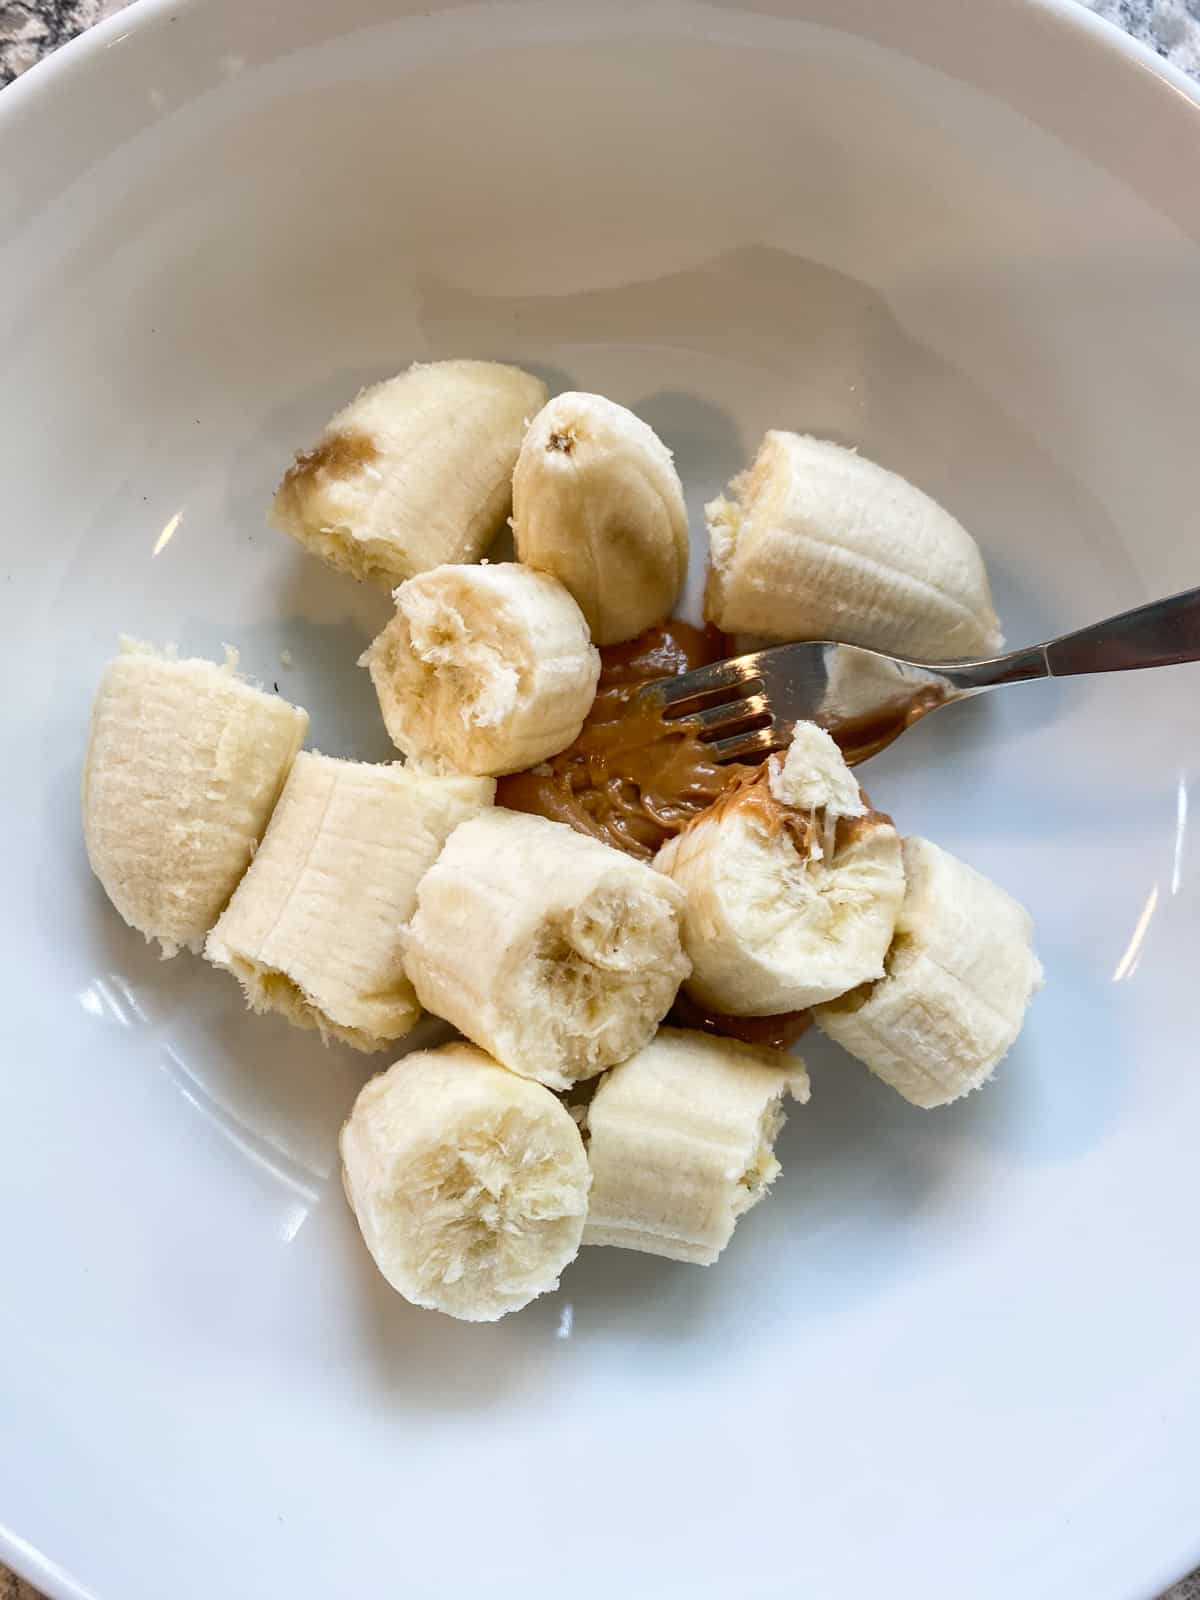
(1161, 634)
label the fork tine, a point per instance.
(758, 744)
(722, 675)
(713, 721)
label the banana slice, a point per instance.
(682, 1140)
(469, 1183)
(817, 542)
(597, 503)
(960, 976)
(184, 765)
(413, 472)
(483, 669)
(313, 931)
(792, 885)
(556, 953)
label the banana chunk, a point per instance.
(813, 776)
(555, 953)
(960, 975)
(185, 762)
(792, 885)
(483, 669)
(682, 1140)
(414, 472)
(817, 542)
(598, 504)
(469, 1183)
(314, 929)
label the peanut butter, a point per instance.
(749, 793)
(861, 738)
(630, 779)
(777, 1033)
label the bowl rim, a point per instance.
(86, 50)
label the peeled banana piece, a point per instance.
(469, 1183)
(314, 928)
(681, 1142)
(484, 669)
(184, 764)
(598, 504)
(960, 975)
(817, 542)
(555, 953)
(414, 472)
(792, 885)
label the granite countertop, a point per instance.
(30, 29)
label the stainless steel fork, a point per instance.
(747, 706)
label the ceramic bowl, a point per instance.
(954, 1354)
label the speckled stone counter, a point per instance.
(30, 29)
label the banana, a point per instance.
(313, 930)
(555, 953)
(959, 977)
(598, 504)
(682, 1142)
(184, 764)
(413, 472)
(469, 1183)
(813, 776)
(792, 885)
(484, 669)
(817, 542)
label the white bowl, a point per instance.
(955, 1353)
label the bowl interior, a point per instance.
(951, 1345)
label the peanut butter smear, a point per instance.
(777, 1033)
(749, 794)
(630, 780)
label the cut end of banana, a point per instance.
(267, 989)
(314, 929)
(787, 905)
(598, 504)
(184, 764)
(682, 1143)
(574, 952)
(483, 669)
(469, 1183)
(414, 472)
(960, 975)
(817, 542)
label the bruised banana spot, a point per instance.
(339, 456)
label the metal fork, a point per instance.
(746, 707)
